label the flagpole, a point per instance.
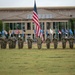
(21, 27)
(55, 29)
(13, 29)
(35, 19)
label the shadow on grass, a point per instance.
(43, 48)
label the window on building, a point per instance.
(53, 25)
(33, 26)
(42, 25)
(48, 25)
(11, 26)
(33, 36)
(15, 26)
(57, 25)
(23, 26)
(28, 26)
(18, 26)
(62, 25)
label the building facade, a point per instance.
(19, 20)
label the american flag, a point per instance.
(36, 21)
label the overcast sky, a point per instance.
(39, 3)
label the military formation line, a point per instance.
(12, 43)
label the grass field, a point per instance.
(37, 62)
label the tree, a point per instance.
(6, 27)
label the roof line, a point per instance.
(30, 8)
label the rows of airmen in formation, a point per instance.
(12, 42)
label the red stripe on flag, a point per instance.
(36, 21)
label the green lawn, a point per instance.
(37, 62)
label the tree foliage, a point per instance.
(6, 27)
